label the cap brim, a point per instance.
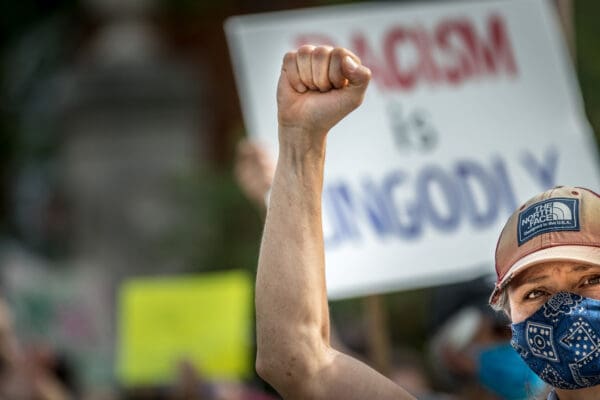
(583, 254)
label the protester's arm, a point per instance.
(317, 88)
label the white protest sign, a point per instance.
(473, 108)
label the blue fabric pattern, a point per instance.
(561, 341)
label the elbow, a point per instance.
(288, 372)
(263, 368)
(290, 356)
(280, 369)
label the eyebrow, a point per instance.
(579, 268)
(535, 279)
(539, 278)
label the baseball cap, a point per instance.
(561, 224)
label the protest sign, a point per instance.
(473, 108)
(203, 319)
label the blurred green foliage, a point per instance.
(587, 31)
(32, 47)
(221, 228)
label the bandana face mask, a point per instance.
(561, 341)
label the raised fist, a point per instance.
(318, 87)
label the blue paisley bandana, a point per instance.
(561, 341)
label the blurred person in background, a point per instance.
(26, 375)
(470, 347)
(254, 169)
(189, 384)
(409, 371)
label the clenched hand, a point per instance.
(318, 87)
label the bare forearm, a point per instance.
(292, 313)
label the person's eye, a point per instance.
(535, 294)
(592, 280)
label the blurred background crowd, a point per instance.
(122, 156)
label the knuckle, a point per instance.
(337, 79)
(321, 52)
(323, 85)
(354, 56)
(337, 52)
(306, 49)
(356, 101)
(289, 56)
(308, 82)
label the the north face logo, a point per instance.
(560, 214)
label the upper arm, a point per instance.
(340, 376)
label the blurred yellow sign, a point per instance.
(203, 319)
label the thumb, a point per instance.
(357, 74)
